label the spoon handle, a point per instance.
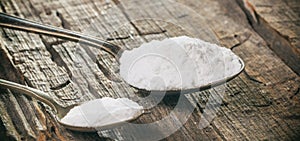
(12, 22)
(39, 95)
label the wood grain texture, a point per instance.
(278, 23)
(260, 104)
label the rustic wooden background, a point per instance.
(260, 104)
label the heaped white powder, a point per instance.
(177, 63)
(102, 112)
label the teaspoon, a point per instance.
(61, 112)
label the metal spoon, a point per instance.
(8, 21)
(59, 110)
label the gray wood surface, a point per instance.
(262, 103)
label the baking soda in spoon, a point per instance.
(103, 112)
(177, 63)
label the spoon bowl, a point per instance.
(60, 111)
(197, 89)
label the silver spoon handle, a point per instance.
(8, 21)
(39, 95)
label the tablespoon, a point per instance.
(8, 21)
(60, 111)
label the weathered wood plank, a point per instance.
(262, 103)
(278, 23)
(266, 70)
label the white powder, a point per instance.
(102, 112)
(177, 63)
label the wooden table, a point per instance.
(262, 103)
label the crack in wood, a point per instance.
(235, 93)
(121, 7)
(8, 70)
(201, 109)
(35, 11)
(253, 17)
(292, 117)
(2, 7)
(117, 38)
(217, 130)
(116, 2)
(295, 93)
(64, 23)
(133, 25)
(278, 43)
(251, 78)
(60, 86)
(29, 50)
(141, 34)
(55, 57)
(7, 129)
(91, 89)
(55, 43)
(153, 33)
(240, 43)
(102, 66)
(5, 35)
(107, 72)
(224, 103)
